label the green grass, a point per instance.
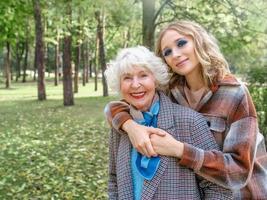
(28, 91)
(48, 151)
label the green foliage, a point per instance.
(48, 151)
(257, 78)
(259, 95)
(257, 75)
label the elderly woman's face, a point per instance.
(138, 88)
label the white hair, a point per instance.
(139, 56)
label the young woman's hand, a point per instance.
(139, 136)
(167, 145)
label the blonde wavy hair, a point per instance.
(214, 65)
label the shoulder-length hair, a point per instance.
(214, 65)
(139, 56)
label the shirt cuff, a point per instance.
(192, 157)
(119, 120)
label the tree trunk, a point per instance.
(96, 60)
(77, 66)
(25, 60)
(148, 23)
(67, 69)
(7, 66)
(20, 47)
(90, 69)
(102, 59)
(84, 61)
(127, 37)
(39, 50)
(87, 60)
(56, 61)
(46, 59)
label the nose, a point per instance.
(176, 52)
(135, 82)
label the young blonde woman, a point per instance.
(137, 75)
(200, 79)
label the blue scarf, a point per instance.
(147, 167)
(142, 166)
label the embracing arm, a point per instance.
(117, 114)
(169, 146)
(232, 166)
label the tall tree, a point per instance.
(56, 59)
(101, 58)
(7, 65)
(39, 50)
(25, 64)
(77, 65)
(96, 60)
(20, 47)
(67, 69)
(148, 23)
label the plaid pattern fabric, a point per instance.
(231, 115)
(172, 181)
(242, 161)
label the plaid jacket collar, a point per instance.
(178, 92)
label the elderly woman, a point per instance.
(138, 75)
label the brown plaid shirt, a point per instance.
(241, 165)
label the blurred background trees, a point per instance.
(92, 31)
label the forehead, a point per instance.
(170, 37)
(135, 69)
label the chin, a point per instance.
(141, 107)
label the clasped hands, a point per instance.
(151, 141)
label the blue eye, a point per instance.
(181, 43)
(167, 52)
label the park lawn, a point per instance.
(48, 151)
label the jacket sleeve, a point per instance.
(232, 166)
(116, 113)
(113, 149)
(203, 140)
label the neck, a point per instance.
(195, 81)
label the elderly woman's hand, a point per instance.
(167, 145)
(140, 137)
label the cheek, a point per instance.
(168, 61)
(124, 89)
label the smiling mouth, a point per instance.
(138, 95)
(182, 62)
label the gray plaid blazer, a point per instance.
(171, 181)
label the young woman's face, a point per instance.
(138, 87)
(179, 53)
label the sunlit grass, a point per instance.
(28, 90)
(48, 151)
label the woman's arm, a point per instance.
(169, 146)
(231, 167)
